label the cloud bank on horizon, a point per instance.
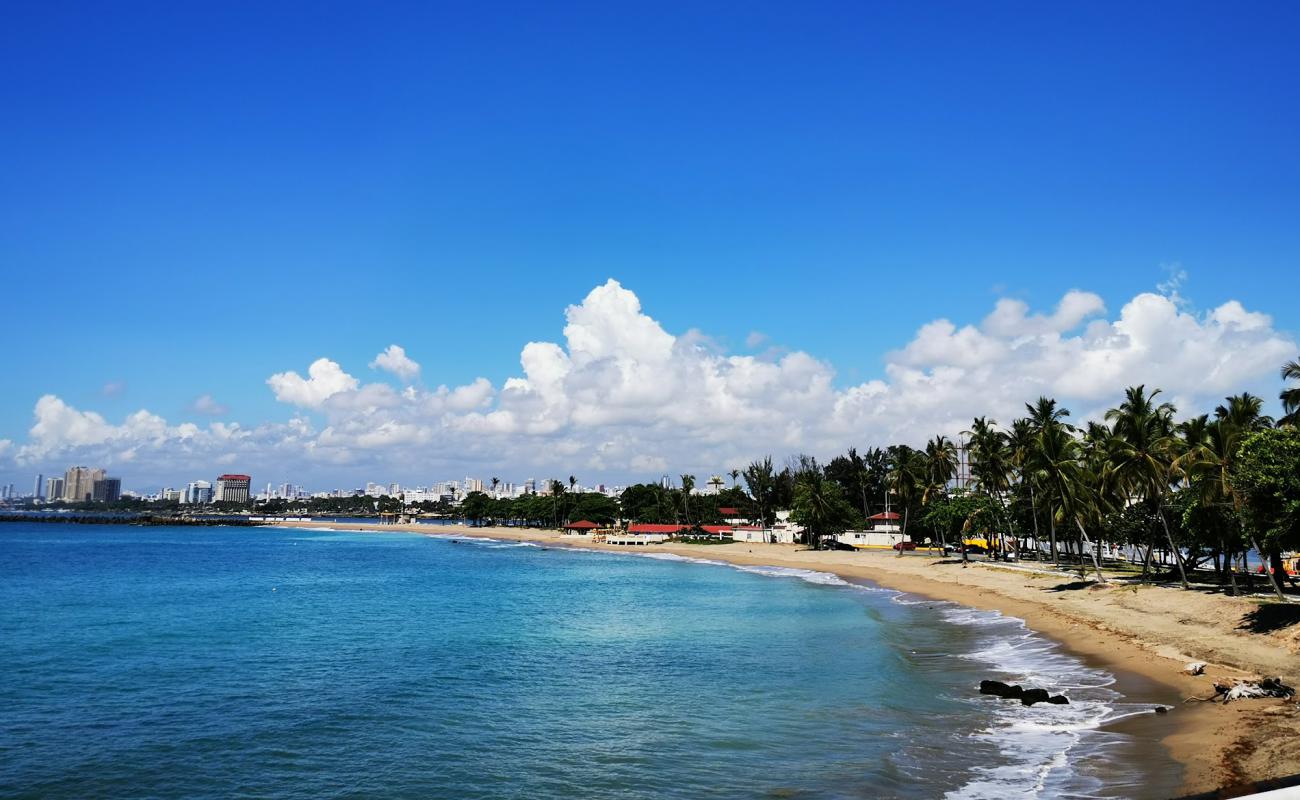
(622, 397)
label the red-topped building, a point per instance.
(233, 488)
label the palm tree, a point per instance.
(1020, 443)
(1290, 396)
(991, 467)
(1243, 410)
(940, 466)
(1204, 463)
(1049, 460)
(1142, 455)
(557, 489)
(907, 478)
(495, 483)
(734, 473)
(688, 484)
(761, 481)
(1209, 461)
(819, 506)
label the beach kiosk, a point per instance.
(582, 527)
(884, 533)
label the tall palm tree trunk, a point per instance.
(1051, 527)
(1272, 575)
(1178, 558)
(1033, 510)
(1086, 544)
(1228, 563)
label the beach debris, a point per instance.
(1161, 710)
(1249, 690)
(1010, 691)
(1195, 668)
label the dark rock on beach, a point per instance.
(1010, 691)
(1031, 696)
(1000, 689)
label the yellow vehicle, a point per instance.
(979, 544)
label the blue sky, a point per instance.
(197, 197)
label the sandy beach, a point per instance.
(1142, 634)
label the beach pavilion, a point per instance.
(582, 527)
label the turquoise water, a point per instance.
(215, 662)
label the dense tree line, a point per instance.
(1204, 490)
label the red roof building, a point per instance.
(581, 525)
(649, 527)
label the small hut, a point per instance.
(582, 527)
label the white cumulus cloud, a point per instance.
(325, 379)
(395, 360)
(619, 395)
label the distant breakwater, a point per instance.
(129, 519)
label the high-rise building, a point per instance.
(40, 487)
(198, 492)
(54, 489)
(107, 490)
(79, 483)
(233, 488)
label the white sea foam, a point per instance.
(1041, 743)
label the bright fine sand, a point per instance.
(1142, 634)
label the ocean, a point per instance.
(259, 662)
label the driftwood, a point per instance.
(1249, 690)
(1195, 668)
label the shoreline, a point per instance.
(1219, 747)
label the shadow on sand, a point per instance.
(1269, 618)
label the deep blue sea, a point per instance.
(224, 662)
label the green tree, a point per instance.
(1206, 462)
(1290, 396)
(907, 479)
(991, 465)
(688, 486)
(1049, 461)
(1143, 453)
(819, 506)
(476, 507)
(761, 480)
(1266, 475)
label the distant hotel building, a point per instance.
(107, 490)
(54, 489)
(233, 488)
(79, 484)
(198, 492)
